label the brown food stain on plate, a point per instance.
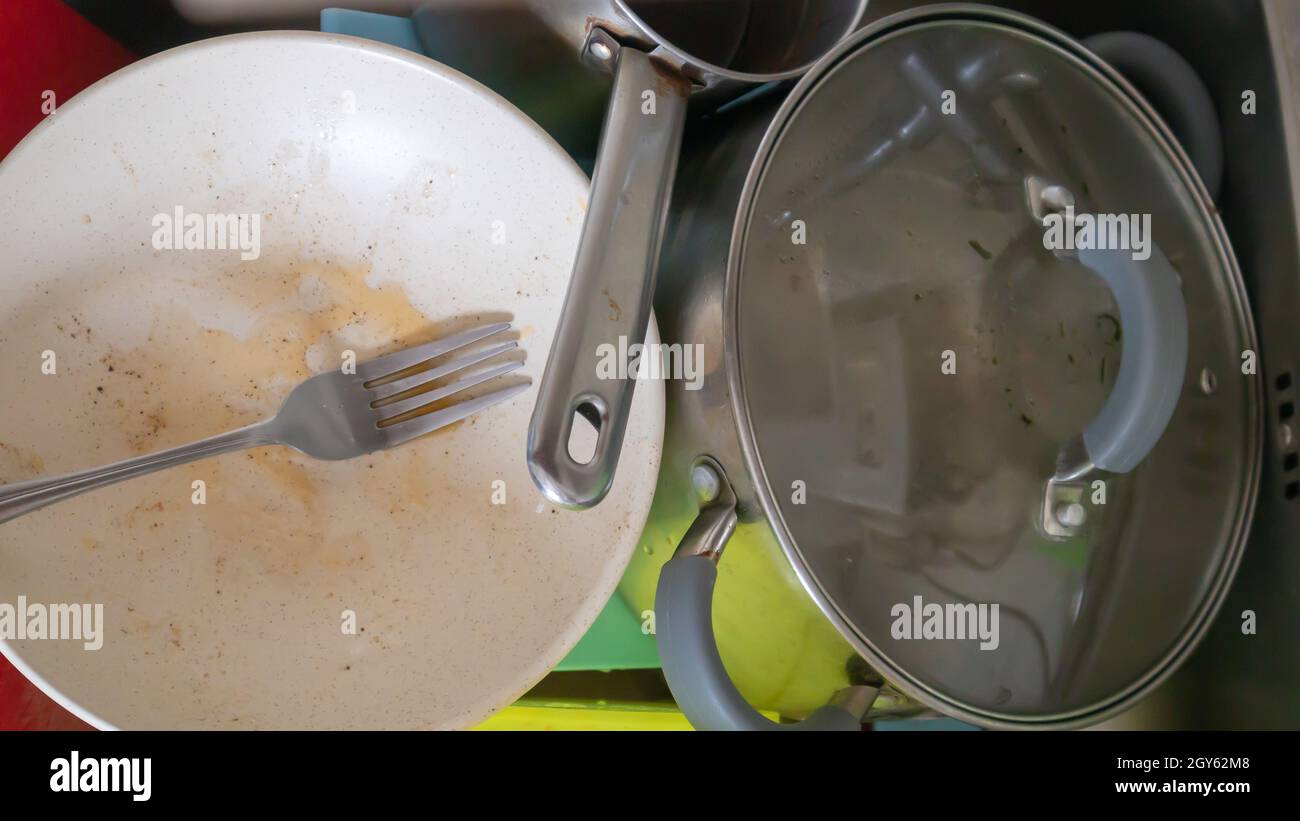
(267, 510)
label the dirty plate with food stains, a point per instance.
(188, 240)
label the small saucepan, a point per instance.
(660, 54)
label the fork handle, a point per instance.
(24, 497)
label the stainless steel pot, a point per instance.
(1090, 462)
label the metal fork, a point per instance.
(334, 415)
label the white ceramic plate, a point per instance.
(398, 200)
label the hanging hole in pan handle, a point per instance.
(584, 433)
(684, 627)
(571, 458)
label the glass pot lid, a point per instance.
(912, 365)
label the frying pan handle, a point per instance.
(1175, 90)
(684, 631)
(1153, 319)
(612, 285)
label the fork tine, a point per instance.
(394, 409)
(401, 360)
(404, 432)
(390, 389)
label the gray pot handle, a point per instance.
(1153, 319)
(612, 284)
(684, 632)
(1175, 90)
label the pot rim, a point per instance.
(1145, 117)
